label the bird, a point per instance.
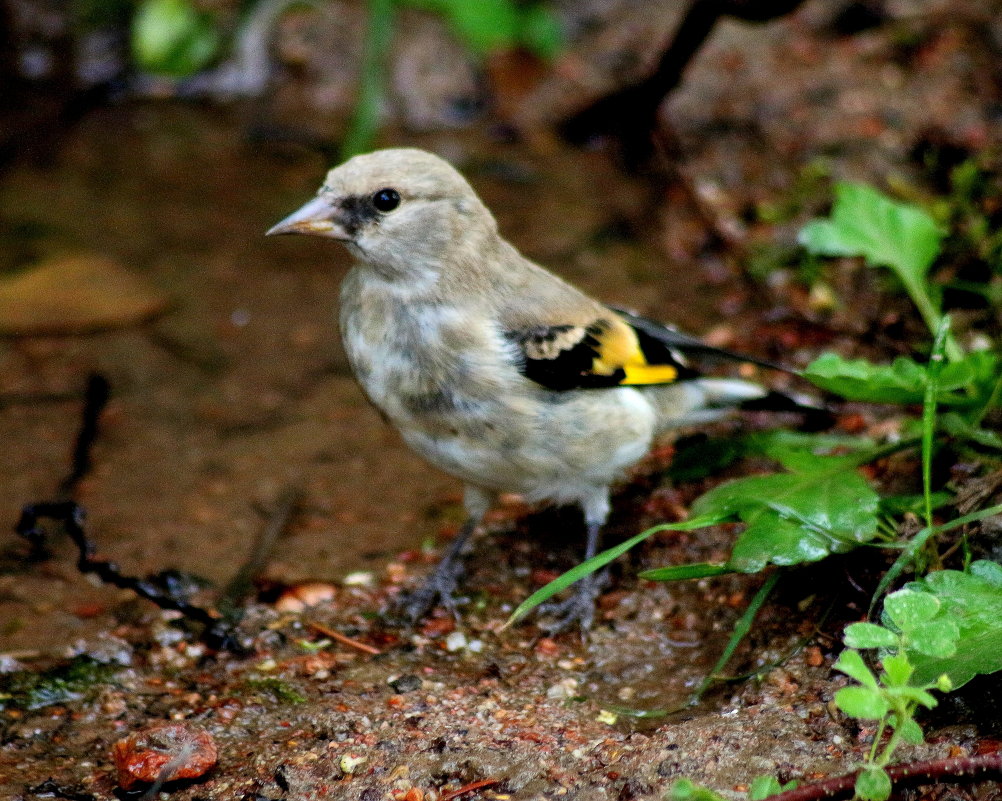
(494, 369)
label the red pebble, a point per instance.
(186, 751)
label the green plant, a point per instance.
(892, 697)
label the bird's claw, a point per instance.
(576, 610)
(437, 590)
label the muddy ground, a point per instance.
(239, 390)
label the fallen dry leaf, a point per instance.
(75, 294)
(175, 750)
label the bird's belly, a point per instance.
(469, 412)
(541, 445)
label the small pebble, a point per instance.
(562, 690)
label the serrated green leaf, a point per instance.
(869, 635)
(897, 669)
(864, 222)
(916, 695)
(907, 608)
(972, 601)
(862, 702)
(903, 381)
(796, 517)
(851, 663)
(873, 784)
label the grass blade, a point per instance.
(565, 580)
(741, 629)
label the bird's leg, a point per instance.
(441, 584)
(579, 608)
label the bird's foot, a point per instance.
(437, 590)
(576, 610)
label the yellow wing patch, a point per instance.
(619, 351)
(649, 374)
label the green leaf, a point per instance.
(864, 222)
(852, 664)
(862, 702)
(697, 457)
(798, 450)
(937, 638)
(903, 381)
(873, 784)
(172, 37)
(684, 572)
(869, 635)
(796, 517)
(897, 669)
(764, 786)
(958, 427)
(972, 602)
(910, 730)
(908, 608)
(914, 694)
(687, 790)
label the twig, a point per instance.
(278, 522)
(468, 788)
(931, 770)
(344, 640)
(71, 516)
(630, 113)
(96, 395)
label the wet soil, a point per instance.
(241, 390)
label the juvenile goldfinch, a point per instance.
(493, 369)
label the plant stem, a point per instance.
(931, 315)
(365, 119)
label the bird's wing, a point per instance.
(615, 349)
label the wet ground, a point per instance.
(239, 390)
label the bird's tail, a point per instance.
(704, 400)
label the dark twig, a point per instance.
(96, 396)
(630, 113)
(928, 770)
(71, 516)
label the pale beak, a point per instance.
(318, 217)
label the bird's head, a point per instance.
(398, 210)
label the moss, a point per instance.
(278, 689)
(69, 681)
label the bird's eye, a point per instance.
(386, 199)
